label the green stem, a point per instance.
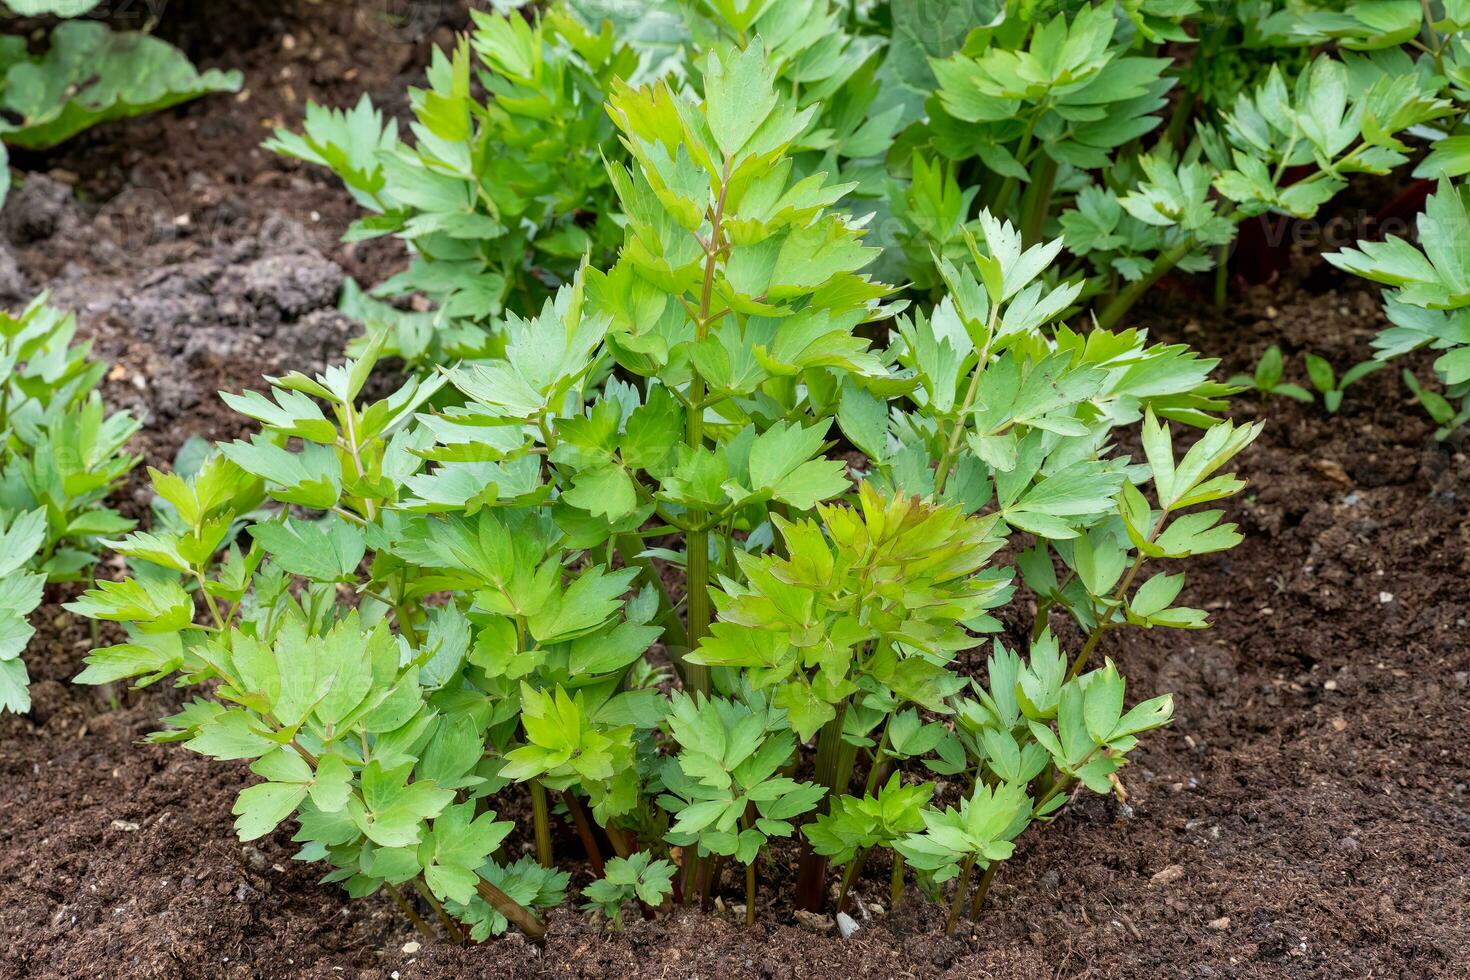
(1131, 293)
(978, 904)
(618, 839)
(1036, 202)
(407, 910)
(850, 875)
(1008, 186)
(697, 542)
(961, 889)
(1118, 596)
(1179, 119)
(541, 817)
(956, 435)
(584, 831)
(895, 882)
(451, 928)
(1222, 276)
(872, 782)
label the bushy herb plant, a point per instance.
(1064, 115)
(61, 454)
(706, 453)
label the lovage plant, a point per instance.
(1427, 299)
(707, 455)
(61, 454)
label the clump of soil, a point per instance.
(1305, 815)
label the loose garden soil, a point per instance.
(1306, 815)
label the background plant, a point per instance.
(1427, 300)
(88, 74)
(61, 455)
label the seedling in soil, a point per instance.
(1266, 379)
(1326, 381)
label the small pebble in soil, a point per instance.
(1220, 924)
(1385, 597)
(126, 826)
(818, 923)
(1169, 875)
(411, 947)
(847, 926)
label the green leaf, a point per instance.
(740, 94)
(92, 75)
(260, 808)
(323, 551)
(604, 492)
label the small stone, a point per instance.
(1339, 724)
(1167, 876)
(1220, 924)
(1385, 597)
(847, 926)
(1333, 470)
(814, 921)
(126, 826)
(1330, 686)
(411, 947)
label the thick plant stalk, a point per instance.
(1132, 292)
(833, 773)
(618, 840)
(961, 889)
(451, 928)
(584, 831)
(408, 912)
(517, 914)
(895, 882)
(541, 817)
(696, 679)
(978, 904)
(1036, 202)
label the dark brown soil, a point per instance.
(1305, 816)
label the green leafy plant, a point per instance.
(501, 194)
(643, 877)
(1332, 388)
(1427, 299)
(1266, 379)
(21, 536)
(89, 75)
(403, 610)
(60, 457)
(1054, 115)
